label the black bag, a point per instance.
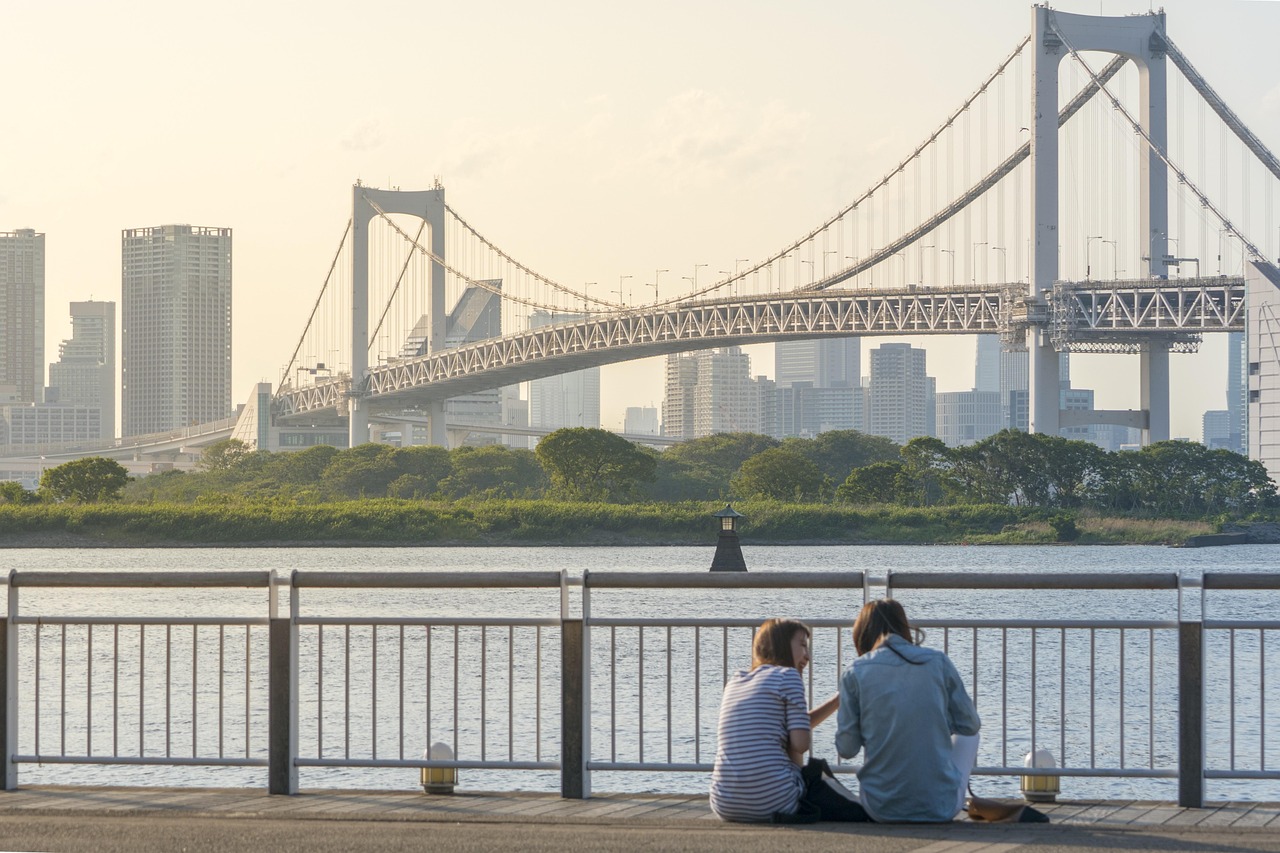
(824, 798)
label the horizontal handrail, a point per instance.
(425, 580)
(431, 621)
(722, 580)
(248, 579)
(1025, 580)
(1237, 580)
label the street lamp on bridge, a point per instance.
(810, 263)
(1004, 256)
(952, 253)
(655, 283)
(621, 279)
(1087, 266)
(1115, 259)
(973, 262)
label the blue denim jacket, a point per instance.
(901, 703)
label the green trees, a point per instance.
(13, 493)
(494, 472)
(93, 479)
(594, 464)
(781, 474)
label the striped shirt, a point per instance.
(754, 776)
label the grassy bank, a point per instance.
(541, 522)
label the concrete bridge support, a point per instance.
(424, 204)
(1141, 39)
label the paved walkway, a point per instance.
(140, 819)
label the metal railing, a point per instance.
(593, 683)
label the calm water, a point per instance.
(359, 709)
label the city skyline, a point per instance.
(617, 173)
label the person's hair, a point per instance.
(878, 619)
(772, 644)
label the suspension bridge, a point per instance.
(1093, 194)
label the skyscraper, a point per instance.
(85, 372)
(709, 392)
(567, 400)
(987, 370)
(901, 398)
(1237, 393)
(824, 363)
(22, 313)
(176, 327)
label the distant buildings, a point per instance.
(641, 420)
(967, 417)
(85, 372)
(709, 392)
(176, 327)
(816, 387)
(567, 400)
(900, 399)
(22, 313)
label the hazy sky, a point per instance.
(590, 140)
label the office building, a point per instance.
(22, 313)
(805, 411)
(35, 424)
(1015, 382)
(175, 327)
(709, 392)
(641, 420)
(987, 364)
(901, 398)
(824, 363)
(1237, 393)
(85, 372)
(567, 400)
(967, 417)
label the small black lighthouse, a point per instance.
(728, 556)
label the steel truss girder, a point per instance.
(1110, 314)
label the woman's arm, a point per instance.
(826, 709)
(798, 743)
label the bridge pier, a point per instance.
(1155, 390)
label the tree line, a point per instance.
(1172, 478)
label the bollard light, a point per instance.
(439, 780)
(1040, 789)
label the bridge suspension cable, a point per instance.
(973, 193)
(583, 295)
(865, 196)
(373, 336)
(480, 283)
(1155, 149)
(293, 359)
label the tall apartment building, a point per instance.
(817, 386)
(175, 327)
(22, 313)
(85, 372)
(901, 398)
(709, 392)
(567, 400)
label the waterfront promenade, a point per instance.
(156, 819)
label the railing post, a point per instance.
(573, 776)
(1190, 694)
(9, 684)
(282, 707)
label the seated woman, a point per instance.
(907, 708)
(765, 728)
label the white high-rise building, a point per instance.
(85, 372)
(900, 395)
(709, 392)
(175, 327)
(641, 420)
(22, 313)
(567, 400)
